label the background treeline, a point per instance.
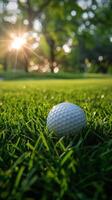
(62, 35)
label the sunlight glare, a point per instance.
(18, 42)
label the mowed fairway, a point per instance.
(35, 164)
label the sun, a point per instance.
(18, 42)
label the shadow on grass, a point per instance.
(46, 76)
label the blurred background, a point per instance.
(52, 36)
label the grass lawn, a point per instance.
(21, 75)
(35, 164)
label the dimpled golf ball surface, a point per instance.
(66, 118)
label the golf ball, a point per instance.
(66, 118)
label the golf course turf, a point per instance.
(36, 164)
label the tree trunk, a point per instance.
(5, 64)
(52, 58)
(51, 44)
(26, 61)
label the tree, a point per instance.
(59, 28)
(56, 26)
(72, 30)
(95, 36)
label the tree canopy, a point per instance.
(56, 35)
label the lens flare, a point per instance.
(18, 42)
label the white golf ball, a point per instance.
(66, 118)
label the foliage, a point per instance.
(97, 34)
(71, 32)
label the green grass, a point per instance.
(35, 164)
(20, 75)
